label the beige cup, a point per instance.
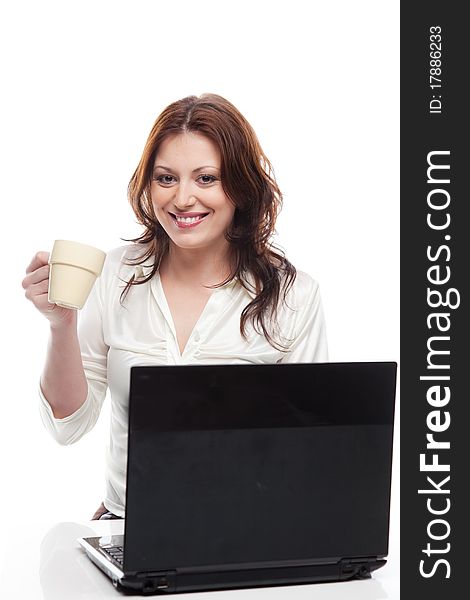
(74, 269)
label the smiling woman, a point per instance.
(234, 240)
(203, 284)
(185, 198)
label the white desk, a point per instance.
(44, 562)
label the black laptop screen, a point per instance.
(237, 464)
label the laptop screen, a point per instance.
(250, 464)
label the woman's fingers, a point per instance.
(39, 259)
(36, 282)
(36, 289)
(40, 274)
(36, 286)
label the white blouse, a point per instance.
(115, 337)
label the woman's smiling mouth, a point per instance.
(186, 220)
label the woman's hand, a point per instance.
(36, 284)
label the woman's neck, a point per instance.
(194, 267)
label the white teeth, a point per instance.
(189, 219)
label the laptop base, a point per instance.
(220, 577)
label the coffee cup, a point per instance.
(74, 268)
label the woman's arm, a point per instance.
(310, 343)
(63, 380)
(74, 380)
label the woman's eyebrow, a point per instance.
(195, 170)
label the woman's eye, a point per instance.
(165, 179)
(208, 178)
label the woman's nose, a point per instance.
(184, 195)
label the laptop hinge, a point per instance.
(158, 581)
(359, 568)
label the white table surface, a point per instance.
(45, 561)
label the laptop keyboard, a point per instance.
(116, 552)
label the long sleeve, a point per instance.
(94, 353)
(310, 343)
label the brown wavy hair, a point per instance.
(247, 178)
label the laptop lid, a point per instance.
(234, 466)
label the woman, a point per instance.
(202, 284)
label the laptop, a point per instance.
(253, 475)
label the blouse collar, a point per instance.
(142, 271)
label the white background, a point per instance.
(82, 85)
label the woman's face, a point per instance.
(187, 195)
